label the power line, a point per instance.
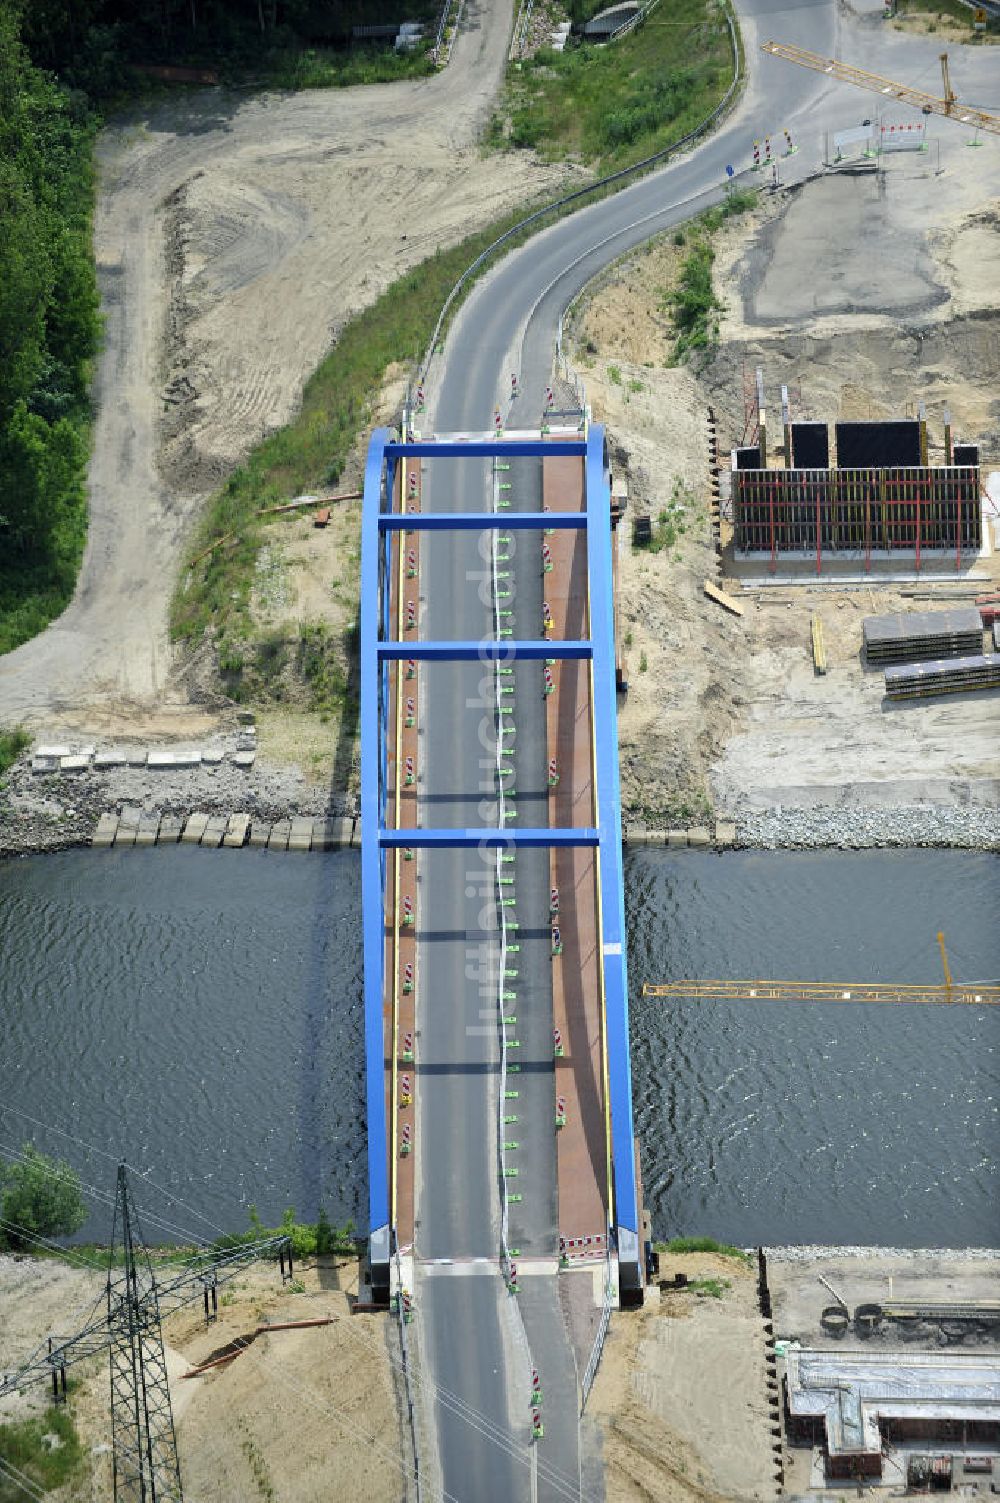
(114, 1158)
(21, 1480)
(101, 1195)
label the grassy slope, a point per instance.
(612, 105)
(338, 399)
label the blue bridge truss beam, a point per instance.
(376, 654)
(486, 448)
(479, 521)
(476, 837)
(486, 651)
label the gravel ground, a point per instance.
(974, 828)
(60, 810)
(51, 813)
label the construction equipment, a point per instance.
(974, 992)
(929, 104)
(820, 991)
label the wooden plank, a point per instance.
(818, 645)
(721, 598)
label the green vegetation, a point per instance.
(712, 1288)
(39, 1197)
(693, 305)
(613, 105)
(12, 744)
(952, 11)
(48, 336)
(46, 1448)
(704, 1244)
(311, 452)
(103, 46)
(671, 521)
(309, 1239)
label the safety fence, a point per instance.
(443, 58)
(404, 1348)
(602, 1330)
(507, 1266)
(909, 510)
(633, 21)
(519, 36)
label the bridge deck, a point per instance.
(583, 1143)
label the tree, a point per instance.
(41, 1197)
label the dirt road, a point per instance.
(234, 236)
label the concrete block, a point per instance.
(725, 832)
(125, 835)
(105, 759)
(699, 838)
(260, 832)
(635, 834)
(237, 830)
(331, 834)
(278, 838)
(104, 835)
(74, 764)
(131, 816)
(137, 756)
(170, 830)
(677, 839)
(212, 755)
(194, 829)
(214, 830)
(246, 717)
(300, 834)
(244, 758)
(173, 759)
(45, 764)
(55, 752)
(149, 828)
(356, 835)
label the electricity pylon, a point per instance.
(146, 1468)
(145, 1446)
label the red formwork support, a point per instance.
(903, 511)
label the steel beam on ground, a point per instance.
(487, 651)
(440, 839)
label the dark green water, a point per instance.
(200, 1011)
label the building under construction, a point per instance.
(875, 497)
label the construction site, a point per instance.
(761, 606)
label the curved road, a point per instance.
(510, 323)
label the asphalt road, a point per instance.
(510, 322)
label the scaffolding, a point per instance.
(858, 512)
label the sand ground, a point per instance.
(234, 237)
(301, 1415)
(680, 1396)
(726, 713)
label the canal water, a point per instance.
(200, 1013)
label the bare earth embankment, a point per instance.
(234, 237)
(865, 295)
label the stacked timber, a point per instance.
(945, 676)
(918, 635)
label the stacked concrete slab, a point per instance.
(915, 635)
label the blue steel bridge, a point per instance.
(502, 1165)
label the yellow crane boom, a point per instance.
(930, 104)
(822, 991)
